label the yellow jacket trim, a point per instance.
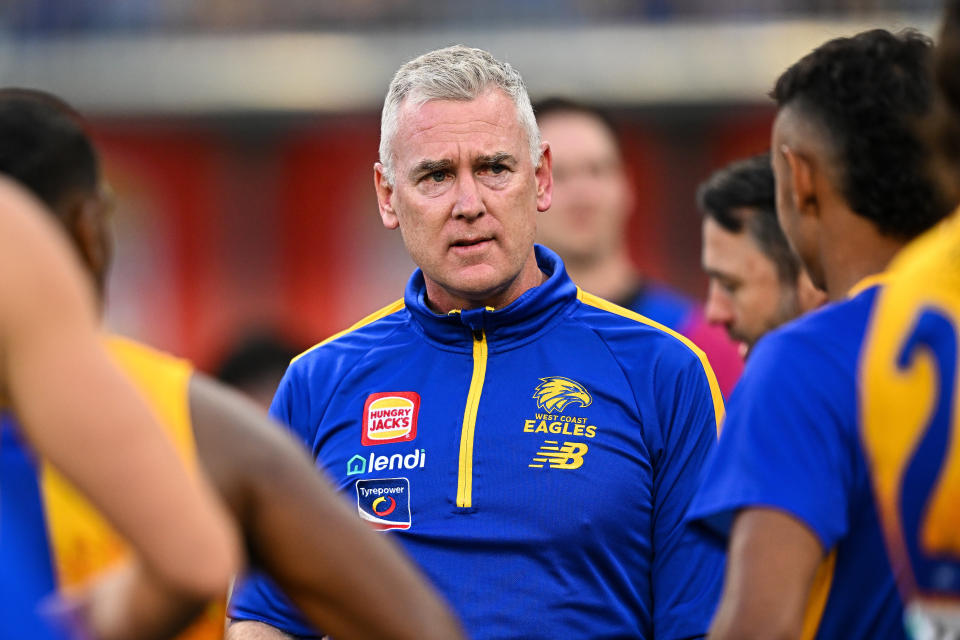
(600, 303)
(373, 317)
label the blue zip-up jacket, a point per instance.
(536, 461)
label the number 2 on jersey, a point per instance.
(911, 437)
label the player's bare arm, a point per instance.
(95, 428)
(300, 532)
(249, 630)
(771, 564)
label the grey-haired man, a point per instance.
(533, 447)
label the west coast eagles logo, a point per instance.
(556, 393)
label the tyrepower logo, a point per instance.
(384, 503)
(390, 416)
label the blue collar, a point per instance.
(535, 311)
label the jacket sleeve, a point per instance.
(687, 569)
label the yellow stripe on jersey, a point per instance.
(600, 303)
(83, 544)
(867, 282)
(817, 601)
(373, 317)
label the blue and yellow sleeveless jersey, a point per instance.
(26, 570)
(535, 461)
(50, 536)
(84, 545)
(911, 422)
(791, 441)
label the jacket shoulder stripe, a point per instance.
(599, 303)
(373, 317)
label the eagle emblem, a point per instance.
(556, 392)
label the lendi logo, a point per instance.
(359, 465)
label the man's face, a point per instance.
(592, 198)
(746, 295)
(465, 195)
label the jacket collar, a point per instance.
(535, 311)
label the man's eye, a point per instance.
(494, 169)
(729, 287)
(437, 176)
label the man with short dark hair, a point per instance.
(62, 398)
(533, 447)
(756, 281)
(788, 487)
(587, 222)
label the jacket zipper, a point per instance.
(465, 472)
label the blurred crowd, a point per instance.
(41, 17)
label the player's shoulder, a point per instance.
(626, 329)
(130, 350)
(643, 347)
(358, 339)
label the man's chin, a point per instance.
(743, 350)
(474, 285)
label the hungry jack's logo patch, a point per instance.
(390, 416)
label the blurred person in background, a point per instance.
(255, 364)
(532, 446)
(756, 282)
(587, 222)
(789, 488)
(911, 425)
(63, 399)
(294, 525)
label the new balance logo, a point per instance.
(569, 456)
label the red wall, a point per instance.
(226, 225)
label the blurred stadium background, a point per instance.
(239, 135)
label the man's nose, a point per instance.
(469, 203)
(719, 307)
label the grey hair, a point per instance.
(453, 73)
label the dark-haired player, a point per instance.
(789, 486)
(294, 525)
(909, 375)
(756, 282)
(72, 406)
(587, 222)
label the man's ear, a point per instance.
(544, 176)
(384, 198)
(81, 216)
(804, 192)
